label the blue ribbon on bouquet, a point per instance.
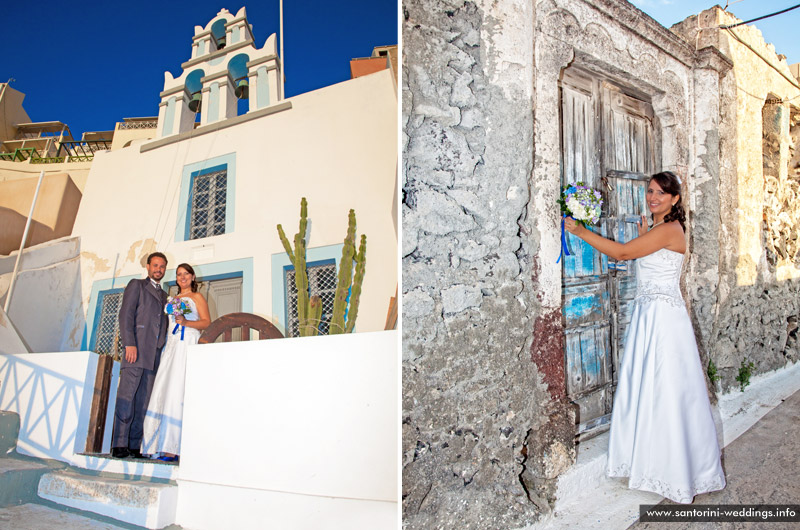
(564, 246)
(183, 328)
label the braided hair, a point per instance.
(671, 184)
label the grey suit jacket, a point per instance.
(142, 322)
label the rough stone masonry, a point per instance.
(487, 428)
(473, 401)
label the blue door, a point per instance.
(607, 143)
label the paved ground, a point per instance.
(759, 430)
(38, 517)
(761, 467)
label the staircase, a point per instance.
(123, 490)
(139, 501)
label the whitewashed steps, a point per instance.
(147, 503)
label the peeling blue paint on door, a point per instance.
(607, 136)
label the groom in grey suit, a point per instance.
(143, 329)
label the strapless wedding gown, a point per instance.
(662, 432)
(164, 416)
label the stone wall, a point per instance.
(487, 427)
(754, 316)
(471, 396)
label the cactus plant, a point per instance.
(348, 287)
(361, 261)
(308, 326)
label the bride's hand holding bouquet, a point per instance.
(580, 204)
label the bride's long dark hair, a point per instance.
(670, 183)
(188, 268)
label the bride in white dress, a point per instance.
(164, 416)
(662, 432)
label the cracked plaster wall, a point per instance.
(470, 392)
(757, 301)
(487, 427)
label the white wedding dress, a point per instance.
(164, 416)
(662, 433)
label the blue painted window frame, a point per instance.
(99, 288)
(97, 310)
(280, 261)
(218, 270)
(290, 267)
(209, 278)
(192, 181)
(221, 270)
(188, 175)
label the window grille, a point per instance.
(107, 334)
(209, 198)
(321, 282)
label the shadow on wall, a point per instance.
(46, 305)
(759, 298)
(53, 217)
(50, 393)
(11, 340)
(12, 225)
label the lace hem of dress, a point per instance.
(649, 291)
(679, 495)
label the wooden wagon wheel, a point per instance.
(247, 321)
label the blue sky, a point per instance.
(781, 30)
(90, 64)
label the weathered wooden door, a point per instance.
(607, 143)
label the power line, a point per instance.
(793, 82)
(729, 3)
(760, 18)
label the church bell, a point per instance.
(242, 90)
(195, 102)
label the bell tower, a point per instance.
(225, 66)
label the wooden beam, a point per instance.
(391, 316)
(97, 415)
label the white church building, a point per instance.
(229, 158)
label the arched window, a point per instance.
(218, 31)
(195, 89)
(237, 67)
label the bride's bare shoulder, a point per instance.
(677, 237)
(197, 297)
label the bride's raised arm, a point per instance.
(668, 235)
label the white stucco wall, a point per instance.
(288, 433)
(10, 339)
(291, 433)
(52, 393)
(45, 302)
(337, 146)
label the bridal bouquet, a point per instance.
(177, 306)
(583, 204)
